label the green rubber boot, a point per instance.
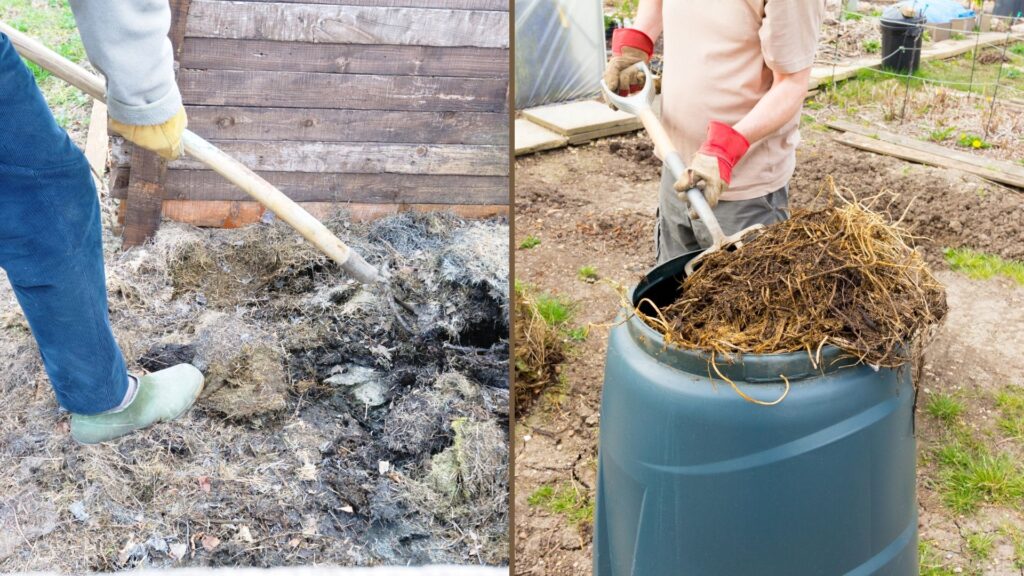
(162, 396)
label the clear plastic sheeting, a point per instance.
(560, 51)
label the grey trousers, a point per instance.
(675, 234)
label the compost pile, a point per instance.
(326, 433)
(841, 275)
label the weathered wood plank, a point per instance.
(1009, 169)
(499, 5)
(922, 157)
(351, 91)
(230, 54)
(333, 187)
(327, 125)
(144, 197)
(96, 140)
(223, 214)
(363, 158)
(333, 24)
(179, 22)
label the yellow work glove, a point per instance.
(164, 139)
(629, 46)
(710, 169)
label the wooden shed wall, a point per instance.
(384, 104)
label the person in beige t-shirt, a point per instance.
(735, 76)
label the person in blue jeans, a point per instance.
(50, 235)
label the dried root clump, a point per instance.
(842, 275)
(540, 348)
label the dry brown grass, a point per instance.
(841, 275)
(539, 349)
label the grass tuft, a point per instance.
(530, 241)
(945, 408)
(566, 500)
(982, 266)
(980, 544)
(555, 311)
(587, 273)
(931, 561)
(971, 476)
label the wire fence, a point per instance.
(897, 55)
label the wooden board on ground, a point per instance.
(532, 138)
(866, 138)
(581, 117)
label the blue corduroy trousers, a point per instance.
(51, 248)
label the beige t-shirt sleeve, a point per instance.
(789, 33)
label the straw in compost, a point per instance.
(842, 275)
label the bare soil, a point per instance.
(327, 432)
(974, 354)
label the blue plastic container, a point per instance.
(694, 480)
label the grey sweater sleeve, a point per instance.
(127, 41)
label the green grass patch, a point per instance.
(941, 134)
(1012, 427)
(931, 561)
(982, 266)
(530, 241)
(871, 46)
(971, 475)
(587, 273)
(565, 499)
(52, 23)
(578, 334)
(980, 544)
(1010, 402)
(554, 310)
(945, 408)
(1017, 48)
(874, 87)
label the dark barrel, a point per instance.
(695, 481)
(901, 42)
(1008, 8)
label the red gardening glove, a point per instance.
(629, 46)
(710, 170)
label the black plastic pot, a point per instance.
(609, 29)
(901, 43)
(1008, 7)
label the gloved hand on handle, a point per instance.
(164, 138)
(128, 43)
(710, 169)
(629, 46)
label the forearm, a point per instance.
(648, 18)
(127, 41)
(778, 106)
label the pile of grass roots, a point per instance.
(843, 275)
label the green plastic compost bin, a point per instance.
(694, 480)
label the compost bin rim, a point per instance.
(750, 368)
